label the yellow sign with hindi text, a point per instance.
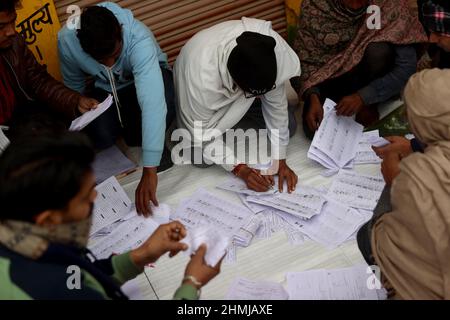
(37, 22)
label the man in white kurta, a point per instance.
(219, 74)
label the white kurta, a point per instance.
(206, 92)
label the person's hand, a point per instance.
(198, 269)
(165, 239)
(286, 174)
(349, 105)
(399, 145)
(255, 180)
(146, 191)
(390, 167)
(315, 113)
(87, 104)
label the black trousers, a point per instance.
(106, 129)
(378, 60)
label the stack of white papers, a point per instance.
(335, 143)
(246, 233)
(216, 222)
(335, 225)
(244, 289)
(206, 209)
(357, 190)
(81, 122)
(338, 284)
(216, 243)
(4, 141)
(116, 226)
(304, 202)
(129, 235)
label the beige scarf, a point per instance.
(31, 240)
(411, 244)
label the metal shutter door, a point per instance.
(175, 21)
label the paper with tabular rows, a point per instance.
(304, 202)
(206, 209)
(337, 284)
(356, 190)
(335, 142)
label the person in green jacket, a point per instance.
(47, 192)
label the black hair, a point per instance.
(8, 5)
(99, 32)
(35, 119)
(42, 173)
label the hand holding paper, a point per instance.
(215, 242)
(81, 122)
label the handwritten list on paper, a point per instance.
(357, 190)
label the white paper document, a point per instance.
(254, 207)
(356, 190)
(373, 137)
(335, 142)
(4, 141)
(338, 284)
(364, 152)
(246, 233)
(81, 122)
(129, 235)
(206, 209)
(111, 204)
(161, 213)
(304, 202)
(216, 243)
(238, 185)
(111, 162)
(245, 289)
(333, 226)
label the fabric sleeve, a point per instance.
(47, 89)
(393, 82)
(123, 268)
(275, 112)
(150, 92)
(186, 292)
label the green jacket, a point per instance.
(51, 278)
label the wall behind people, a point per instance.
(37, 21)
(175, 21)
